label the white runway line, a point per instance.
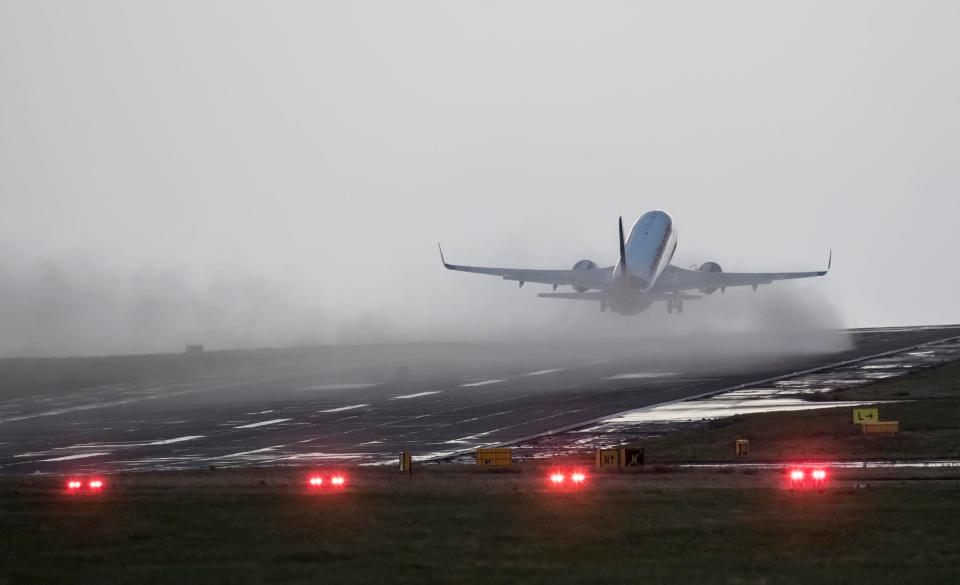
(417, 395)
(177, 440)
(263, 423)
(542, 372)
(639, 376)
(483, 383)
(243, 453)
(343, 408)
(357, 386)
(80, 456)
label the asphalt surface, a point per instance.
(365, 404)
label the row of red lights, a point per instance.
(559, 478)
(95, 484)
(799, 477)
(317, 481)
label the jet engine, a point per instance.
(583, 265)
(710, 267)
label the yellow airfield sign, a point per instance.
(865, 415)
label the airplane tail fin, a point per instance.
(623, 250)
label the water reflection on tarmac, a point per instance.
(789, 393)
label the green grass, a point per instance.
(450, 525)
(485, 529)
(928, 411)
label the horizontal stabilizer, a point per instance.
(585, 296)
(600, 296)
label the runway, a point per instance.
(365, 404)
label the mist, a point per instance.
(78, 307)
(252, 175)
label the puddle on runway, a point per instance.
(791, 394)
(721, 408)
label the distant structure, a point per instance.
(194, 349)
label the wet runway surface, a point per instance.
(365, 404)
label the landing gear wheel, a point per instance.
(669, 306)
(680, 306)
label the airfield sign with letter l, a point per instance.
(865, 415)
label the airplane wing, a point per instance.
(678, 279)
(582, 278)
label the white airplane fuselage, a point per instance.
(648, 251)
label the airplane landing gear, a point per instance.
(675, 305)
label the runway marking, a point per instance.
(262, 412)
(177, 440)
(80, 456)
(465, 440)
(135, 395)
(322, 455)
(343, 408)
(265, 449)
(639, 376)
(340, 386)
(483, 383)
(542, 372)
(417, 395)
(263, 423)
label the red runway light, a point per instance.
(95, 484)
(315, 481)
(578, 478)
(557, 478)
(797, 475)
(819, 474)
(338, 480)
(74, 484)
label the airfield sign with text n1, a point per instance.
(865, 415)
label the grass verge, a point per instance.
(927, 405)
(468, 527)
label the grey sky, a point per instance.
(281, 171)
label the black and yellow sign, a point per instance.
(742, 447)
(608, 457)
(865, 415)
(495, 457)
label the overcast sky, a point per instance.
(244, 174)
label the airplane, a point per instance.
(642, 275)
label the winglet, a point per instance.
(829, 264)
(623, 250)
(445, 265)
